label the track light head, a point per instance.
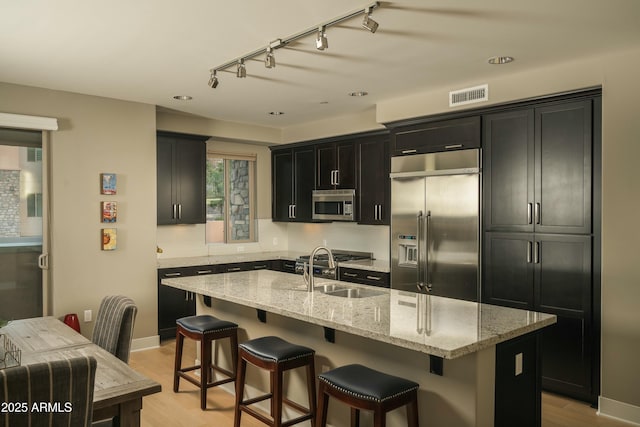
(321, 40)
(213, 80)
(270, 59)
(369, 23)
(242, 71)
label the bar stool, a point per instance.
(206, 329)
(277, 356)
(364, 388)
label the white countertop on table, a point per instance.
(442, 327)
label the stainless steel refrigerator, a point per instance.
(435, 224)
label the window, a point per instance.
(34, 205)
(34, 154)
(230, 194)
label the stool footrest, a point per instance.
(256, 399)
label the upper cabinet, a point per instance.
(336, 165)
(181, 164)
(537, 169)
(292, 183)
(373, 180)
(435, 136)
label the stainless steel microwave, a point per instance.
(334, 205)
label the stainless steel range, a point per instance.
(321, 262)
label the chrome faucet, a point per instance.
(308, 272)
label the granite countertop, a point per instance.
(442, 327)
(373, 265)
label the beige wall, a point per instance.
(98, 135)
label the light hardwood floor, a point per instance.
(183, 409)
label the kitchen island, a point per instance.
(479, 354)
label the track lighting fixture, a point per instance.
(242, 71)
(321, 40)
(369, 23)
(213, 80)
(270, 59)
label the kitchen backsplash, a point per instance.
(189, 240)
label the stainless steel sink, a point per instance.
(345, 292)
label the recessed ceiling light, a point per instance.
(276, 113)
(359, 93)
(499, 60)
(183, 97)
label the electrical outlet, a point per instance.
(87, 315)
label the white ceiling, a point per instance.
(150, 50)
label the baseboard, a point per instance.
(145, 343)
(619, 410)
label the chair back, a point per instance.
(113, 330)
(62, 392)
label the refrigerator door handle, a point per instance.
(419, 282)
(429, 285)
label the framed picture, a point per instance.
(108, 181)
(109, 211)
(108, 239)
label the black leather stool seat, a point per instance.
(366, 383)
(275, 349)
(205, 324)
(363, 388)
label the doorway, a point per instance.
(23, 212)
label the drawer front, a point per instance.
(365, 277)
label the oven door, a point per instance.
(334, 205)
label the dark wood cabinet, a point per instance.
(537, 169)
(173, 303)
(435, 136)
(181, 164)
(538, 243)
(283, 265)
(364, 277)
(336, 165)
(374, 192)
(293, 180)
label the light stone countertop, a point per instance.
(442, 327)
(372, 265)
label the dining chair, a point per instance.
(49, 393)
(113, 330)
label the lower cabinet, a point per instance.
(173, 303)
(549, 273)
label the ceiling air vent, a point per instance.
(469, 95)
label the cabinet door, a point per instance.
(190, 167)
(282, 184)
(454, 134)
(563, 287)
(346, 165)
(166, 194)
(326, 167)
(508, 171)
(508, 270)
(173, 303)
(304, 173)
(373, 181)
(563, 168)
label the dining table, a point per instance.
(118, 389)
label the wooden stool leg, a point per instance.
(323, 407)
(412, 413)
(311, 388)
(178, 360)
(233, 340)
(355, 417)
(379, 418)
(276, 397)
(242, 370)
(205, 370)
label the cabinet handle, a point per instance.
(529, 213)
(529, 249)
(233, 269)
(172, 274)
(258, 267)
(451, 147)
(180, 211)
(409, 151)
(293, 210)
(350, 274)
(537, 213)
(205, 271)
(186, 296)
(337, 181)
(536, 253)
(174, 212)
(290, 211)
(289, 265)
(374, 277)
(380, 212)
(332, 178)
